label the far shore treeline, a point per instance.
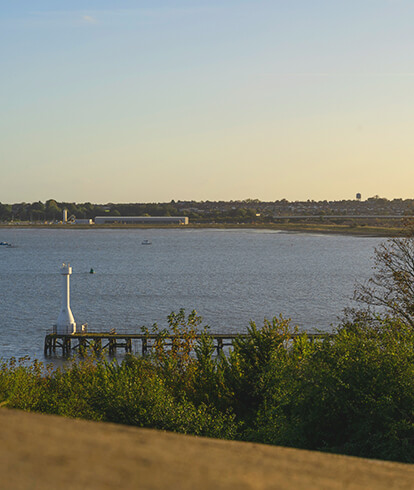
(246, 211)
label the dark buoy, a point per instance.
(91, 271)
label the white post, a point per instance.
(66, 323)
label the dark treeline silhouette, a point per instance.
(245, 211)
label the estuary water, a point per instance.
(229, 276)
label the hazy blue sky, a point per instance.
(156, 100)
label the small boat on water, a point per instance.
(146, 242)
(6, 244)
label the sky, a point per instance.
(149, 101)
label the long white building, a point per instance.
(169, 220)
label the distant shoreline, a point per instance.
(362, 231)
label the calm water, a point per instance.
(229, 277)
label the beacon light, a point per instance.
(66, 323)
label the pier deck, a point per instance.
(112, 341)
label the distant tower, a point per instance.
(65, 216)
(65, 322)
(358, 196)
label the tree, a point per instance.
(36, 211)
(53, 211)
(391, 288)
(5, 212)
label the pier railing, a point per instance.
(112, 340)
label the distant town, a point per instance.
(350, 212)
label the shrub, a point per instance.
(353, 394)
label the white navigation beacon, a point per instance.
(65, 322)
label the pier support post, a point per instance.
(66, 345)
(219, 346)
(82, 346)
(47, 349)
(128, 345)
(112, 346)
(97, 346)
(144, 347)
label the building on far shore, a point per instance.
(83, 221)
(165, 220)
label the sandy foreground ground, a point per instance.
(44, 451)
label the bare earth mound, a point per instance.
(44, 451)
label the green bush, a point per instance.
(351, 394)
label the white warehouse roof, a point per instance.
(181, 220)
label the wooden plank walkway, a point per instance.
(113, 341)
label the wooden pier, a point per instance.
(111, 341)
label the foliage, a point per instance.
(250, 359)
(392, 285)
(352, 393)
(250, 212)
(171, 353)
